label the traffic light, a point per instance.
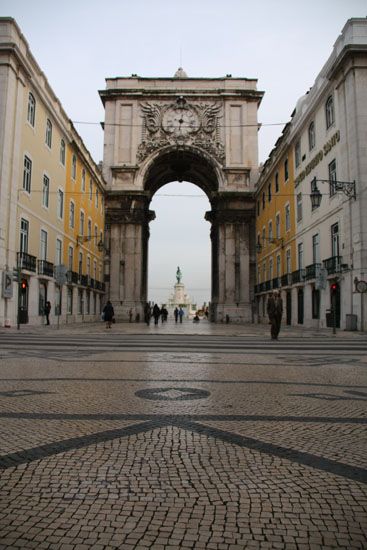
(23, 285)
(333, 288)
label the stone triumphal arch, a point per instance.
(201, 130)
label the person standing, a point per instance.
(175, 313)
(180, 314)
(108, 314)
(275, 312)
(156, 313)
(47, 312)
(147, 313)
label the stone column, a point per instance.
(232, 263)
(128, 252)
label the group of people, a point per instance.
(156, 312)
(178, 314)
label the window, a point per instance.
(288, 260)
(89, 229)
(70, 258)
(69, 300)
(311, 136)
(297, 153)
(287, 217)
(270, 231)
(314, 188)
(269, 192)
(263, 200)
(264, 271)
(277, 226)
(329, 112)
(97, 198)
(87, 303)
(94, 269)
(73, 167)
(315, 249)
(277, 182)
(332, 177)
(258, 207)
(335, 246)
(62, 152)
(48, 133)
(83, 180)
(315, 303)
(299, 207)
(300, 255)
(58, 255)
(264, 237)
(90, 189)
(278, 266)
(88, 266)
(45, 191)
(24, 233)
(286, 173)
(27, 174)
(95, 235)
(271, 269)
(60, 203)
(31, 113)
(72, 215)
(43, 245)
(80, 263)
(81, 225)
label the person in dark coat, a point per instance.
(108, 314)
(47, 312)
(147, 313)
(180, 314)
(175, 313)
(156, 313)
(275, 311)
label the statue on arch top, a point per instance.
(178, 274)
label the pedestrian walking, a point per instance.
(275, 312)
(147, 313)
(130, 315)
(108, 314)
(156, 313)
(175, 313)
(164, 314)
(47, 312)
(180, 314)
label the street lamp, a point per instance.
(347, 187)
(82, 239)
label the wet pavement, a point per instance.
(172, 447)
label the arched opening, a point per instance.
(180, 237)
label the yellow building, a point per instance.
(37, 146)
(84, 230)
(275, 227)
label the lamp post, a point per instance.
(346, 187)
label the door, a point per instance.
(289, 307)
(300, 308)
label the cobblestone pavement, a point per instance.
(117, 448)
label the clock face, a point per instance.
(361, 286)
(180, 121)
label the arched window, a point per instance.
(31, 114)
(329, 111)
(311, 136)
(48, 133)
(62, 152)
(73, 167)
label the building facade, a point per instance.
(326, 140)
(37, 143)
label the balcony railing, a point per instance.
(312, 271)
(99, 285)
(286, 279)
(73, 277)
(298, 276)
(45, 268)
(275, 282)
(332, 265)
(83, 280)
(91, 282)
(267, 285)
(26, 261)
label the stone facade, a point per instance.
(204, 131)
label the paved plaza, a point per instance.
(192, 436)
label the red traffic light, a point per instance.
(333, 287)
(24, 285)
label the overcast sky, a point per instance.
(282, 43)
